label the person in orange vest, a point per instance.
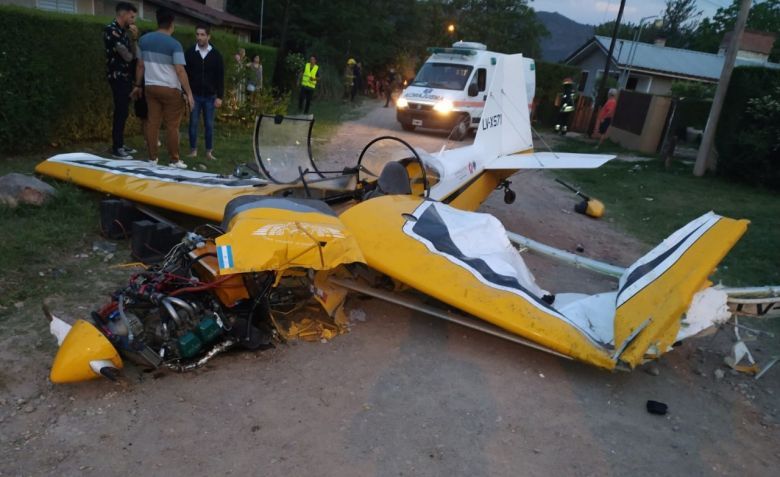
(606, 114)
(309, 78)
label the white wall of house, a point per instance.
(661, 85)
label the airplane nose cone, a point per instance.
(82, 346)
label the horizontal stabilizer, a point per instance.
(549, 160)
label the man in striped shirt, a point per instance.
(167, 90)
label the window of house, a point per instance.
(632, 82)
(66, 6)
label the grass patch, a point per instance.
(650, 202)
(39, 240)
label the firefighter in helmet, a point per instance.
(565, 101)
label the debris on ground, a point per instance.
(104, 247)
(357, 315)
(657, 407)
(652, 369)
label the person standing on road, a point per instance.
(605, 116)
(206, 74)
(349, 78)
(161, 67)
(357, 82)
(309, 78)
(392, 79)
(119, 38)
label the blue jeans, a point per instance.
(206, 104)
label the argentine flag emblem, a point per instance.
(225, 256)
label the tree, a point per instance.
(626, 31)
(507, 26)
(679, 21)
(377, 32)
(764, 16)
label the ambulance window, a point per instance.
(482, 79)
(443, 76)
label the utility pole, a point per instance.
(602, 95)
(704, 156)
(262, 11)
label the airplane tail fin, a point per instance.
(658, 288)
(505, 126)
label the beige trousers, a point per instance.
(165, 105)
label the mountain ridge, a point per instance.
(566, 35)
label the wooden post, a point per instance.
(704, 156)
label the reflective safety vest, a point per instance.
(309, 79)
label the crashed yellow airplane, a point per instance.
(296, 231)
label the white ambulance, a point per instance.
(449, 91)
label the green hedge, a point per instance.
(745, 143)
(690, 113)
(53, 87)
(548, 84)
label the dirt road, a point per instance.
(402, 394)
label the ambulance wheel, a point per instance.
(407, 127)
(461, 130)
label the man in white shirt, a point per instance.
(206, 73)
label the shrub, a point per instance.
(53, 87)
(690, 113)
(747, 130)
(692, 90)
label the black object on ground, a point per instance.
(655, 407)
(117, 217)
(153, 240)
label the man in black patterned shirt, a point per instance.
(119, 38)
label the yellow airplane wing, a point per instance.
(190, 192)
(428, 260)
(464, 259)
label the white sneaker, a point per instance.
(152, 161)
(128, 150)
(179, 164)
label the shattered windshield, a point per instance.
(380, 153)
(282, 147)
(443, 76)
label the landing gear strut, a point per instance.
(509, 194)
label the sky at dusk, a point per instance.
(595, 12)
